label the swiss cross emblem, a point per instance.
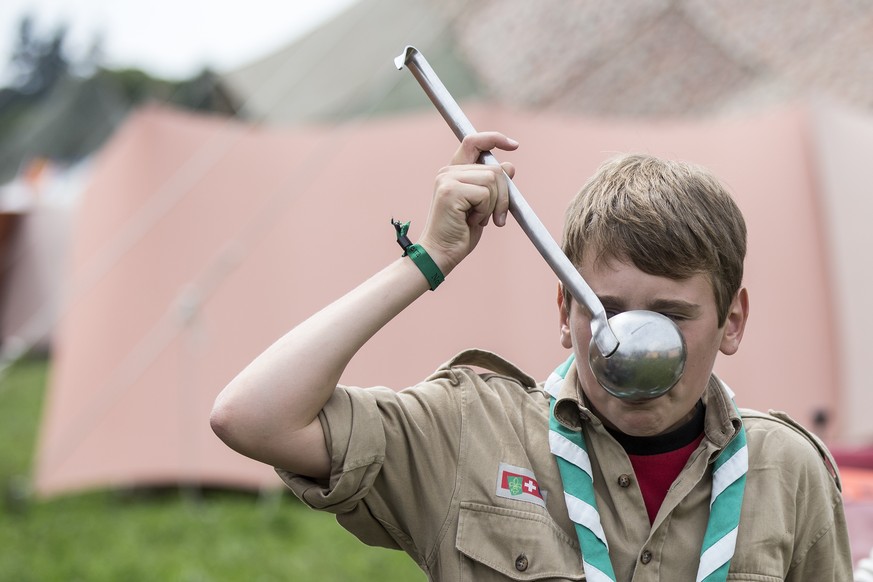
(519, 484)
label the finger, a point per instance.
(508, 168)
(501, 206)
(490, 177)
(497, 202)
(474, 144)
(480, 213)
(474, 190)
(480, 198)
(472, 194)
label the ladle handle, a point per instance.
(603, 336)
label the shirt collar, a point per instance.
(492, 362)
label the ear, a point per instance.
(735, 325)
(564, 315)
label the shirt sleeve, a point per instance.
(355, 440)
(822, 549)
(827, 556)
(393, 462)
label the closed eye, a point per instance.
(676, 317)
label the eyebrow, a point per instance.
(675, 305)
(658, 305)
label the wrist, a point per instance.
(425, 263)
(443, 259)
(419, 255)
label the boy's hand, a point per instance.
(467, 194)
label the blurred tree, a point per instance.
(63, 108)
(38, 63)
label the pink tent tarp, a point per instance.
(199, 241)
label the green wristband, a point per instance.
(418, 255)
(426, 265)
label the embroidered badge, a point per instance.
(519, 484)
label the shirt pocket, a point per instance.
(500, 543)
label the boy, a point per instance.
(472, 474)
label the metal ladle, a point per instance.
(635, 355)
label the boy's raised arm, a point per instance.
(269, 411)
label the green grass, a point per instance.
(170, 535)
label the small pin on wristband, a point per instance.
(419, 256)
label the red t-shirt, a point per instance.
(658, 460)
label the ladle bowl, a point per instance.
(649, 360)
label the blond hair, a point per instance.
(670, 219)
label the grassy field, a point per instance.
(162, 535)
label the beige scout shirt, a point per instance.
(421, 470)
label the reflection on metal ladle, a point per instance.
(649, 360)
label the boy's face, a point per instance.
(690, 303)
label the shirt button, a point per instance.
(624, 480)
(646, 557)
(521, 563)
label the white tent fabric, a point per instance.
(44, 197)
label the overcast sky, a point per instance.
(171, 38)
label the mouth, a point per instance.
(637, 402)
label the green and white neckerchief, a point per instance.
(728, 483)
